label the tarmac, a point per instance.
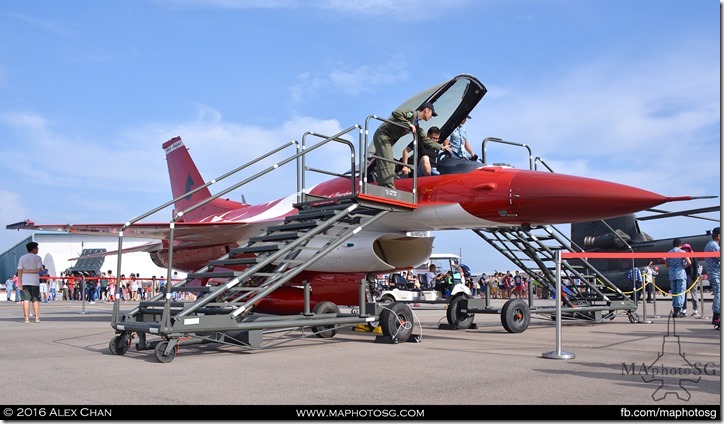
(65, 360)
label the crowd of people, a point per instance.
(507, 285)
(103, 288)
(502, 285)
(32, 284)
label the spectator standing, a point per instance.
(43, 275)
(134, 287)
(713, 272)
(29, 267)
(635, 277)
(104, 287)
(71, 287)
(650, 280)
(507, 285)
(65, 289)
(677, 277)
(18, 296)
(52, 288)
(692, 277)
(518, 284)
(9, 288)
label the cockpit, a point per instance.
(453, 100)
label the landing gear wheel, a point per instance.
(396, 321)
(326, 331)
(159, 350)
(119, 344)
(515, 316)
(455, 317)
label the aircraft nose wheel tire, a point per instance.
(515, 316)
(456, 318)
(161, 356)
(120, 344)
(396, 321)
(326, 331)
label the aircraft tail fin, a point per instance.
(185, 177)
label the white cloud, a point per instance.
(408, 10)
(644, 121)
(42, 155)
(61, 178)
(12, 210)
(348, 79)
(56, 27)
(218, 146)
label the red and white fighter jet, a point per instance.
(476, 196)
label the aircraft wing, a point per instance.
(689, 213)
(148, 247)
(186, 234)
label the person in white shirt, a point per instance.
(9, 287)
(29, 267)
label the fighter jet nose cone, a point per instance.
(558, 198)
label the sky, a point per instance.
(619, 90)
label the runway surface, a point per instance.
(65, 360)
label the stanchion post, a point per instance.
(643, 300)
(82, 293)
(702, 315)
(558, 354)
(655, 295)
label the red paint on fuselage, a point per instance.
(341, 289)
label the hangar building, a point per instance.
(57, 248)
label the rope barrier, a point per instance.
(659, 289)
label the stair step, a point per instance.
(313, 214)
(268, 274)
(219, 274)
(192, 289)
(304, 225)
(277, 236)
(160, 303)
(237, 289)
(321, 205)
(235, 261)
(256, 249)
(292, 261)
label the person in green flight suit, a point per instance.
(387, 135)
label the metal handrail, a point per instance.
(297, 156)
(130, 222)
(542, 162)
(364, 156)
(498, 140)
(302, 179)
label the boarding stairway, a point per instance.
(588, 293)
(534, 249)
(229, 287)
(270, 260)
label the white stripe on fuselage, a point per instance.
(424, 218)
(434, 217)
(284, 207)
